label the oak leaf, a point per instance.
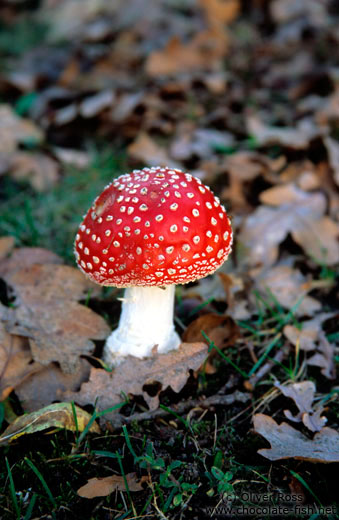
(15, 362)
(303, 395)
(286, 442)
(293, 211)
(47, 312)
(133, 376)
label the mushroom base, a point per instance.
(146, 321)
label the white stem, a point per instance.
(146, 320)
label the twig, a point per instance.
(183, 407)
(266, 368)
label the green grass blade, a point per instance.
(30, 507)
(177, 416)
(96, 415)
(12, 490)
(265, 354)
(298, 477)
(75, 417)
(126, 484)
(128, 442)
(42, 480)
(226, 358)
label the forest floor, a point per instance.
(244, 421)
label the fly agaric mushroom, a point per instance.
(147, 231)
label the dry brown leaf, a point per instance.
(304, 338)
(58, 327)
(220, 12)
(6, 246)
(286, 442)
(333, 155)
(48, 384)
(198, 142)
(77, 158)
(320, 240)
(70, 17)
(145, 149)
(324, 357)
(15, 130)
(297, 138)
(40, 170)
(303, 396)
(204, 51)
(267, 227)
(106, 389)
(287, 10)
(288, 286)
(284, 11)
(50, 282)
(304, 173)
(102, 487)
(15, 362)
(307, 336)
(25, 257)
(222, 330)
(59, 331)
(241, 167)
(93, 105)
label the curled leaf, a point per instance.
(286, 442)
(59, 415)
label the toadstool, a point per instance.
(148, 231)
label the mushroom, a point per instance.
(148, 231)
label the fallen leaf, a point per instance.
(284, 11)
(102, 487)
(333, 155)
(306, 336)
(48, 384)
(204, 51)
(6, 246)
(320, 240)
(40, 170)
(15, 130)
(15, 362)
(286, 442)
(267, 227)
(324, 357)
(222, 330)
(241, 167)
(76, 158)
(314, 421)
(93, 105)
(198, 142)
(59, 415)
(303, 396)
(288, 286)
(50, 282)
(220, 12)
(25, 257)
(105, 389)
(297, 138)
(145, 149)
(59, 329)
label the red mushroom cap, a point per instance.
(156, 226)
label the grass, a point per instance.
(19, 37)
(51, 219)
(182, 472)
